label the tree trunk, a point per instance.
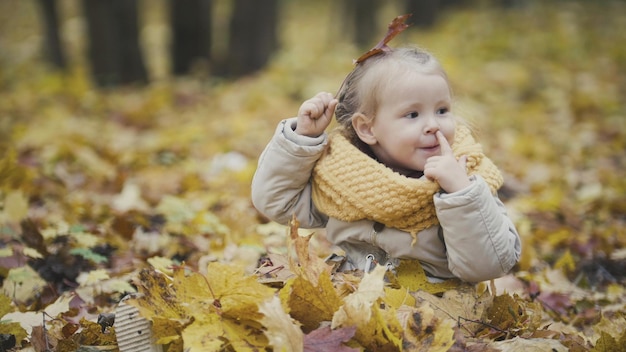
(191, 33)
(53, 50)
(362, 17)
(424, 12)
(113, 48)
(253, 37)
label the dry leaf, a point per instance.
(23, 284)
(518, 344)
(423, 330)
(309, 264)
(15, 207)
(376, 328)
(281, 330)
(310, 304)
(324, 339)
(395, 27)
(411, 275)
(463, 305)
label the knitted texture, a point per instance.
(349, 185)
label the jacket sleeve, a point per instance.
(281, 185)
(481, 240)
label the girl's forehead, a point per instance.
(394, 68)
(399, 74)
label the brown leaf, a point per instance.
(310, 265)
(274, 269)
(32, 237)
(395, 27)
(324, 339)
(40, 341)
(518, 344)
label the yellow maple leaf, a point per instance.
(216, 310)
(283, 332)
(93, 277)
(12, 174)
(606, 342)
(310, 265)
(15, 207)
(398, 297)
(162, 264)
(615, 327)
(5, 305)
(376, 328)
(157, 297)
(464, 305)
(423, 330)
(32, 253)
(23, 284)
(506, 312)
(216, 333)
(239, 294)
(84, 239)
(411, 275)
(91, 334)
(358, 303)
(15, 329)
(310, 304)
(566, 262)
(224, 305)
(168, 331)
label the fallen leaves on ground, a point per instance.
(145, 192)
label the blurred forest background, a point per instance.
(130, 129)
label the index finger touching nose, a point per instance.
(446, 149)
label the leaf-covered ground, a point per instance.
(104, 193)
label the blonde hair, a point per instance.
(361, 88)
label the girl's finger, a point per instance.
(446, 149)
(463, 162)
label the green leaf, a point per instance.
(89, 255)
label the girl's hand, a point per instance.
(316, 114)
(445, 169)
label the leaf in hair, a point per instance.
(395, 27)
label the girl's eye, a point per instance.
(442, 111)
(412, 115)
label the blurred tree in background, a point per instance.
(252, 37)
(52, 50)
(113, 45)
(116, 57)
(114, 51)
(191, 33)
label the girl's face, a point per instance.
(411, 109)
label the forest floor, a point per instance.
(147, 189)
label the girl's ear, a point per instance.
(363, 127)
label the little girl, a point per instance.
(400, 178)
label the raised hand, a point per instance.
(316, 114)
(451, 174)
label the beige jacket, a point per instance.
(475, 240)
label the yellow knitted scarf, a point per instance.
(349, 185)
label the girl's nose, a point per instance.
(431, 125)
